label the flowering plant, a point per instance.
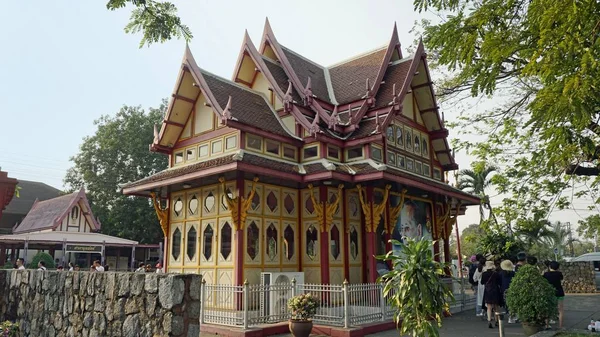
(9, 329)
(303, 307)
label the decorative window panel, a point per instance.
(289, 201)
(208, 241)
(190, 154)
(308, 208)
(289, 152)
(230, 190)
(401, 161)
(408, 140)
(252, 241)
(272, 147)
(410, 164)
(377, 153)
(418, 167)
(272, 241)
(178, 208)
(254, 143)
(310, 242)
(333, 152)
(216, 147)
(178, 158)
(399, 136)
(437, 173)
(391, 158)
(210, 201)
(332, 195)
(417, 142)
(225, 240)
(257, 204)
(354, 242)
(203, 151)
(336, 242)
(272, 201)
(354, 153)
(425, 145)
(354, 207)
(191, 241)
(426, 170)
(231, 142)
(193, 205)
(176, 238)
(310, 152)
(289, 242)
(390, 134)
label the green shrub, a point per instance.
(531, 297)
(41, 256)
(8, 265)
(9, 329)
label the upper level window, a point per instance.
(354, 152)
(217, 146)
(178, 157)
(203, 150)
(254, 142)
(272, 147)
(190, 154)
(376, 153)
(310, 152)
(333, 152)
(289, 152)
(230, 142)
(390, 134)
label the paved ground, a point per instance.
(579, 309)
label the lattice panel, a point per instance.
(232, 192)
(353, 207)
(210, 201)
(308, 208)
(191, 243)
(176, 248)
(208, 242)
(256, 207)
(178, 206)
(332, 194)
(272, 201)
(289, 203)
(193, 205)
(273, 242)
(225, 242)
(252, 241)
(336, 243)
(311, 242)
(354, 243)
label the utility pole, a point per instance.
(570, 239)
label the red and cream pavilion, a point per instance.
(294, 166)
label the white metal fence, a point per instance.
(342, 305)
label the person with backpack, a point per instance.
(491, 280)
(474, 284)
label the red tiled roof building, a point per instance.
(293, 166)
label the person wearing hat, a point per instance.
(521, 260)
(159, 269)
(507, 273)
(491, 296)
(480, 287)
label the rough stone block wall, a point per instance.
(578, 277)
(50, 303)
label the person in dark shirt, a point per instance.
(521, 260)
(555, 277)
(491, 280)
(507, 273)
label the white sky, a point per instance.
(65, 63)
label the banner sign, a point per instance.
(84, 249)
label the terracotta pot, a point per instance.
(531, 329)
(300, 328)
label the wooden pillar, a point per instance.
(371, 241)
(436, 251)
(324, 237)
(346, 230)
(119, 258)
(2, 254)
(238, 236)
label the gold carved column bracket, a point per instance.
(372, 217)
(238, 214)
(325, 205)
(395, 212)
(161, 213)
(445, 222)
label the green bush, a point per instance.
(9, 329)
(41, 256)
(531, 297)
(8, 265)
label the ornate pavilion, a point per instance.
(293, 166)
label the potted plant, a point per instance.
(532, 299)
(302, 309)
(415, 288)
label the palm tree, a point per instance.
(535, 232)
(476, 181)
(562, 238)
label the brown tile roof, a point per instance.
(271, 164)
(348, 79)
(305, 69)
(281, 78)
(30, 191)
(394, 74)
(247, 106)
(314, 168)
(367, 127)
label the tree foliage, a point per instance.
(540, 60)
(469, 240)
(497, 242)
(116, 154)
(590, 227)
(41, 256)
(157, 20)
(415, 288)
(477, 180)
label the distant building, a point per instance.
(17, 209)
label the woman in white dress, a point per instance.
(480, 287)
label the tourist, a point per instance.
(77, 267)
(105, 267)
(41, 265)
(521, 260)
(20, 264)
(480, 286)
(98, 266)
(491, 280)
(71, 266)
(60, 268)
(555, 277)
(159, 269)
(148, 268)
(141, 268)
(507, 273)
(472, 269)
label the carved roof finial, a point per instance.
(287, 98)
(227, 110)
(335, 118)
(377, 124)
(308, 92)
(314, 127)
(369, 94)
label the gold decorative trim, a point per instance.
(330, 208)
(238, 214)
(445, 222)
(161, 213)
(373, 216)
(395, 212)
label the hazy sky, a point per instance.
(63, 64)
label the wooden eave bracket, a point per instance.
(161, 213)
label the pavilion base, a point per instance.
(282, 328)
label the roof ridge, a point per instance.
(301, 56)
(60, 196)
(352, 58)
(330, 90)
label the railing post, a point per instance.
(202, 300)
(293, 287)
(245, 291)
(346, 304)
(381, 300)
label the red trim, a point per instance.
(168, 122)
(239, 235)
(267, 172)
(183, 98)
(346, 233)
(365, 140)
(438, 134)
(324, 240)
(371, 241)
(204, 137)
(259, 132)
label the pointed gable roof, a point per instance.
(305, 69)
(50, 213)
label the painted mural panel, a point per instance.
(414, 221)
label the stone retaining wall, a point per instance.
(578, 277)
(50, 303)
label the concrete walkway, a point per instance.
(579, 310)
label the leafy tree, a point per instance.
(157, 20)
(476, 181)
(118, 153)
(561, 238)
(498, 243)
(534, 231)
(41, 256)
(590, 227)
(540, 60)
(415, 289)
(470, 238)
(582, 247)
